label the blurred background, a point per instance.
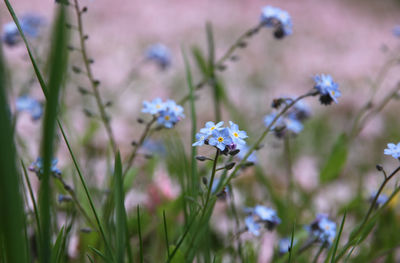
(350, 40)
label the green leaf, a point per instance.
(14, 247)
(338, 238)
(121, 223)
(336, 161)
(57, 246)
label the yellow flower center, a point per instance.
(158, 106)
(235, 134)
(212, 128)
(327, 227)
(167, 118)
(220, 139)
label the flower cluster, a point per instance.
(168, 113)
(277, 18)
(260, 216)
(327, 88)
(224, 138)
(30, 25)
(37, 167)
(393, 150)
(323, 229)
(291, 121)
(160, 54)
(30, 105)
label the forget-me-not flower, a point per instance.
(284, 245)
(278, 19)
(220, 138)
(323, 229)
(243, 151)
(210, 127)
(167, 118)
(327, 88)
(30, 25)
(200, 137)
(261, 216)
(252, 226)
(160, 54)
(167, 113)
(153, 107)
(393, 150)
(382, 198)
(237, 135)
(37, 167)
(30, 105)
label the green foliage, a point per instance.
(336, 160)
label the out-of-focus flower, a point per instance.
(284, 245)
(153, 107)
(37, 167)
(237, 135)
(277, 18)
(220, 139)
(396, 31)
(63, 198)
(323, 229)
(30, 105)
(261, 215)
(327, 88)
(252, 226)
(30, 25)
(160, 54)
(168, 113)
(393, 150)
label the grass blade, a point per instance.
(291, 245)
(166, 233)
(140, 235)
(194, 176)
(338, 238)
(12, 222)
(121, 224)
(58, 59)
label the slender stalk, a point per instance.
(138, 145)
(93, 81)
(220, 63)
(75, 199)
(107, 245)
(287, 155)
(266, 131)
(211, 182)
(367, 216)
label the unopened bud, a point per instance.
(204, 180)
(379, 167)
(229, 165)
(234, 152)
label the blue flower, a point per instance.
(270, 117)
(327, 88)
(293, 125)
(167, 118)
(323, 229)
(393, 150)
(63, 198)
(175, 108)
(153, 107)
(200, 137)
(28, 104)
(252, 226)
(287, 122)
(160, 54)
(37, 167)
(300, 111)
(237, 135)
(265, 215)
(220, 138)
(30, 25)
(277, 18)
(210, 127)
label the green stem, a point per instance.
(220, 63)
(211, 182)
(266, 131)
(92, 80)
(138, 145)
